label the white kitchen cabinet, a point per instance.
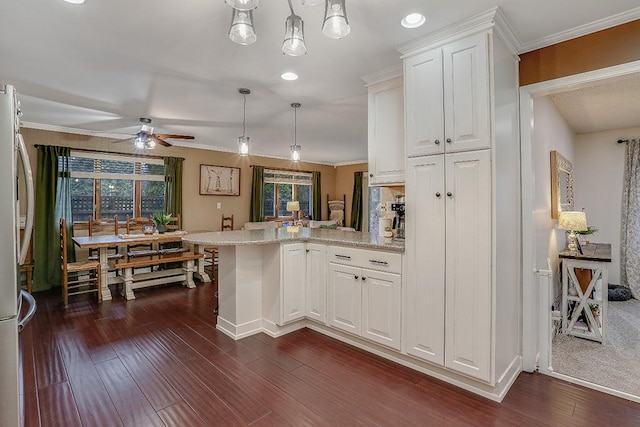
(461, 300)
(381, 305)
(365, 294)
(447, 98)
(294, 275)
(345, 298)
(386, 132)
(316, 274)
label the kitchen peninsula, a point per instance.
(274, 280)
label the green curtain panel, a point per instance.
(173, 186)
(53, 200)
(356, 203)
(256, 208)
(317, 197)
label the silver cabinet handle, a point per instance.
(375, 261)
(438, 195)
(364, 279)
(437, 142)
(343, 256)
(449, 140)
(449, 194)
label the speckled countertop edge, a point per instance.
(305, 234)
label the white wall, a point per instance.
(551, 132)
(598, 179)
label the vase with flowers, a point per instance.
(161, 220)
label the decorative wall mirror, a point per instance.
(561, 184)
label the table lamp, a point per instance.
(294, 207)
(572, 222)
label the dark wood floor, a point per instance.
(158, 360)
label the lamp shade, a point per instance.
(243, 4)
(336, 24)
(293, 44)
(573, 221)
(293, 206)
(241, 30)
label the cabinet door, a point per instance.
(316, 282)
(425, 252)
(424, 115)
(344, 298)
(466, 94)
(468, 264)
(386, 133)
(381, 308)
(293, 281)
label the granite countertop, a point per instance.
(305, 234)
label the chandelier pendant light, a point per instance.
(296, 150)
(293, 44)
(336, 24)
(243, 141)
(241, 30)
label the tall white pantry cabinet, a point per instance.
(462, 292)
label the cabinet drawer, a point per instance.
(365, 258)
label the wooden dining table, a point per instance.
(103, 242)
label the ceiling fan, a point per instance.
(146, 139)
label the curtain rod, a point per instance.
(87, 150)
(282, 169)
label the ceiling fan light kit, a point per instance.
(145, 139)
(242, 31)
(243, 141)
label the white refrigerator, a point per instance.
(14, 313)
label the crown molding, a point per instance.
(383, 75)
(74, 131)
(582, 30)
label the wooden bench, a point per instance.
(142, 280)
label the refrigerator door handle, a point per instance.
(30, 313)
(28, 226)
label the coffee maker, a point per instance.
(398, 220)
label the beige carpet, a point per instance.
(615, 364)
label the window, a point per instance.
(104, 185)
(281, 187)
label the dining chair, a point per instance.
(211, 253)
(103, 226)
(79, 277)
(135, 225)
(175, 224)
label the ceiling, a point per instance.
(98, 67)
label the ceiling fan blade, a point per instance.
(171, 136)
(116, 141)
(161, 141)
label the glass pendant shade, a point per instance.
(336, 24)
(293, 44)
(296, 152)
(243, 4)
(144, 141)
(241, 30)
(243, 145)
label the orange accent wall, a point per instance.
(602, 49)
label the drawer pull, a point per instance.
(364, 279)
(355, 277)
(375, 261)
(343, 256)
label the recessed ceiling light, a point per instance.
(413, 20)
(289, 76)
(75, 1)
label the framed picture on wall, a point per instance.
(219, 181)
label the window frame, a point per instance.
(137, 177)
(283, 176)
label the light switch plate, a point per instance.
(219, 205)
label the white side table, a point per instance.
(596, 258)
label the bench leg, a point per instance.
(128, 284)
(188, 271)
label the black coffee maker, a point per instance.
(398, 220)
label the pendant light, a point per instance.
(241, 30)
(295, 148)
(243, 141)
(293, 44)
(336, 24)
(243, 4)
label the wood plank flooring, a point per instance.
(158, 360)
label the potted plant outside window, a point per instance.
(161, 220)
